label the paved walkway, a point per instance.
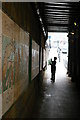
(60, 99)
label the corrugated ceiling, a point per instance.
(59, 17)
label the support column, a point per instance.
(78, 57)
(69, 56)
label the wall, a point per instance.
(15, 65)
(35, 60)
(15, 58)
(74, 55)
(25, 16)
(0, 63)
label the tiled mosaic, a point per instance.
(15, 58)
(35, 59)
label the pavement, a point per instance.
(59, 99)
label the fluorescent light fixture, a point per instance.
(38, 11)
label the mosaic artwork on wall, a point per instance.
(8, 71)
(41, 60)
(15, 62)
(35, 59)
(44, 58)
(0, 63)
(0, 67)
(0, 74)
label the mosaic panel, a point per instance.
(44, 58)
(15, 55)
(35, 59)
(0, 64)
(7, 63)
(41, 60)
(7, 26)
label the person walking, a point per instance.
(53, 69)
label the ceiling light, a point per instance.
(72, 33)
(75, 23)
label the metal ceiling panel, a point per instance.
(59, 16)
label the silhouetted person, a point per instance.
(53, 69)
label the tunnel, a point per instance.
(26, 90)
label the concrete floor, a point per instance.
(60, 99)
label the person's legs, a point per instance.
(53, 76)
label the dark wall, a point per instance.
(24, 15)
(74, 54)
